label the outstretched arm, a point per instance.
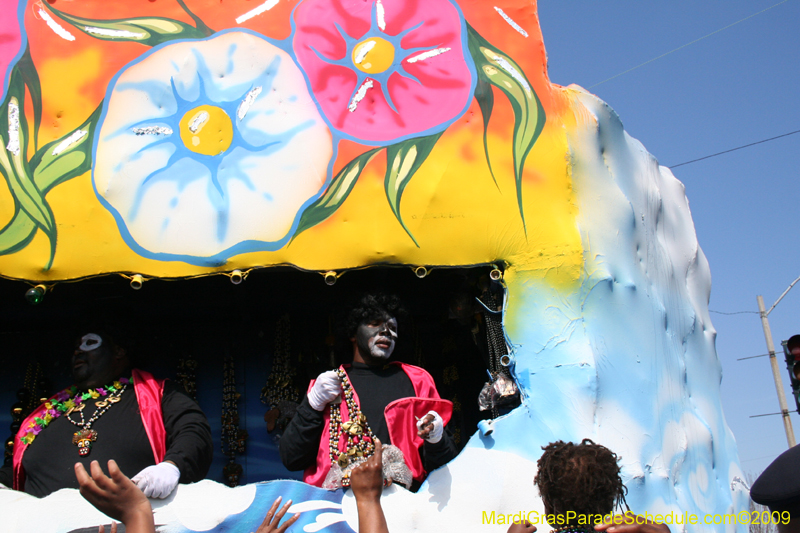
(300, 441)
(189, 447)
(116, 496)
(439, 447)
(366, 481)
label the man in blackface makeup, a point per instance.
(345, 409)
(156, 434)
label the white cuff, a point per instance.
(438, 427)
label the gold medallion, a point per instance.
(102, 403)
(343, 461)
(114, 399)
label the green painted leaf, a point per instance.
(14, 160)
(336, 193)
(498, 69)
(402, 162)
(17, 234)
(150, 31)
(485, 98)
(66, 157)
(31, 79)
(197, 20)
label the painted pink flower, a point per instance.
(385, 70)
(12, 42)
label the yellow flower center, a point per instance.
(206, 130)
(373, 55)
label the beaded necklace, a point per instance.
(233, 437)
(360, 439)
(70, 400)
(85, 436)
(573, 529)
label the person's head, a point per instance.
(371, 327)
(778, 487)
(583, 478)
(98, 359)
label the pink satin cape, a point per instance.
(400, 420)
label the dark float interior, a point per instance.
(275, 315)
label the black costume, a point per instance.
(49, 460)
(377, 387)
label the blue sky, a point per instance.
(732, 88)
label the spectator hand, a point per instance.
(270, 524)
(523, 527)
(631, 523)
(116, 496)
(158, 481)
(431, 427)
(326, 388)
(366, 480)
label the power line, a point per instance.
(753, 356)
(687, 44)
(758, 458)
(733, 150)
(734, 313)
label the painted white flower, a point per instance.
(209, 149)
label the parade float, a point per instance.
(221, 175)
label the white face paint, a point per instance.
(90, 341)
(377, 338)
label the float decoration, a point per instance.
(606, 315)
(499, 70)
(159, 233)
(149, 31)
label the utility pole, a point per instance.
(787, 422)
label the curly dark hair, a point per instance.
(583, 478)
(371, 306)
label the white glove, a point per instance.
(325, 390)
(438, 427)
(158, 481)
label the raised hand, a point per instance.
(522, 527)
(366, 482)
(158, 481)
(430, 427)
(116, 496)
(271, 521)
(326, 388)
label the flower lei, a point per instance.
(64, 403)
(359, 437)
